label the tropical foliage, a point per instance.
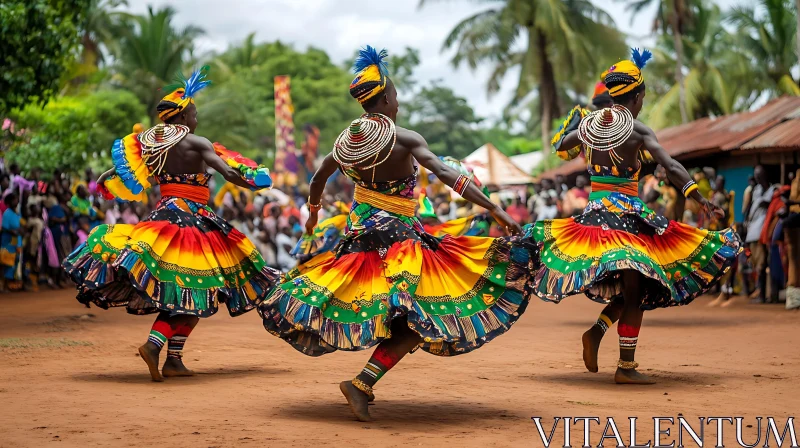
(38, 39)
(99, 70)
(552, 43)
(71, 133)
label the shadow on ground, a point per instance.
(201, 377)
(389, 413)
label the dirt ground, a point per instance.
(71, 376)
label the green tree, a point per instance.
(402, 67)
(70, 133)
(152, 53)
(445, 120)
(718, 81)
(672, 16)
(99, 33)
(553, 43)
(240, 111)
(767, 32)
(38, 39)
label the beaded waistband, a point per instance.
(602, 185)
(193, 193)
(392, 204)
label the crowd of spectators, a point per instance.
(44, 218)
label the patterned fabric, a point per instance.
(457, 293)
(617, 232)
(326, 236)
(454, 227)
(182, 258)
(256, 176)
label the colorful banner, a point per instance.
(310, 150)
(286, 165)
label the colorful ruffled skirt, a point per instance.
(183, 259)
(457, 293)
(616, 232)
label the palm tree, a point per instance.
(555, 44)
(671, 16)
(238, 57)
(152, 53)
(100, 30)
(768, 34)
(718, 81)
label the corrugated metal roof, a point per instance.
(785, 136)
(565, 169)
(707, 135)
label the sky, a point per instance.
(341, 26)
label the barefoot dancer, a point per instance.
(388, 283)
(182, 260)
(618, 250)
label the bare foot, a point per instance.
(357, 400)
(149, 353)
(727, 303)
(591, 344)
(174, 367)
(631, 376)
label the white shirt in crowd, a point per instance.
(758, 212)
(285, 261)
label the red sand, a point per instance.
(255, 390)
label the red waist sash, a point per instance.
(193, 193)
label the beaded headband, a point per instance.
(624, 76)
(182, 93)
(372, 74)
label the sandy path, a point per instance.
(254, 390)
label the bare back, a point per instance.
(186, 157)
(628, 151)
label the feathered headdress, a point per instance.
(182, 93)
(372, 73)
(624, 76)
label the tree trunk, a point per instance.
(548, 92)
(678, 37)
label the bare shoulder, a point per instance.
(197, 142)
(409, 138)
(642, 129)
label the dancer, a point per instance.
(182, 260)
(619, 251)
(388, 283)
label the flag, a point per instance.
(285, 166)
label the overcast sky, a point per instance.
(341, 26)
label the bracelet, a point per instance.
(461, 184)
(689, 188)
(313, 207)
(627, 365)
(363, 387)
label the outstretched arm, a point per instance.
(316, 187)
(106, 175)
(211, 159)
(448, 175)
(676, 173)
(320, 178)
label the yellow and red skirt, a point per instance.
(183, 259)
(616, 232)
(457, 293)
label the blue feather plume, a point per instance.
(640, 59)
(196, 82)
(370, 56)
